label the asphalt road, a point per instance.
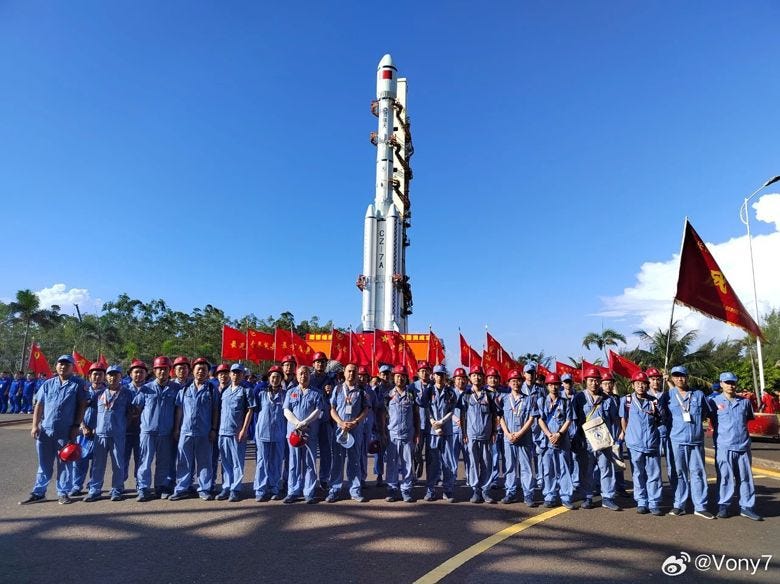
(198, 541)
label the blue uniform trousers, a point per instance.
(499, 462)
(556, 474)
(302, 476)
(47, 447)
(352, 456)
(598, 462)
(646, 472)
(735, 465)
(268, 474)
(215, 456)
(481, 465)
(14, 403)
(667, 453)
(440, 462)
(691, 476)
(325, 438)
(26, 407)
(132, 454)
(400, 466)
(519, 470)
(3, 403)
(80, 470)
(106, 446)
(232, 453)
(158, 449)
(459, 449)
(194, 453)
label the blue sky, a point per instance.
(214, 153)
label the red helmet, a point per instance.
(423, 365)
(162, 362)
(607, 376)
(297, 439)
(223, 367)
(493, 372)
(552, 378)
(513, 374)
(71, 452)
(399, 369)
(639, 376)
(199, 361)
(459, 372)
(181, 361)
(137, 363)
(653, 372)
(362, 370)
(289, 359)
(320, 356)
(274, 369)
(374, 447)
(99, 366)
(476, 369)
(592, 372)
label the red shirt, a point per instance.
(770, 403)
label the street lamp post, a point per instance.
(744, 216)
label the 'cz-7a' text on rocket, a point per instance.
(387, 296)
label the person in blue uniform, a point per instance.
(382, 388)
(478, 425)
(641, 417)
(156, 401)
(400, 427)
(237, 402)
(5, 386)
(81, 468)
(421, 384)
(555, 417)
(494, 385)
(220, 382)
(688, 408)
(439, 402)
(319, 378)
(15, 394)
(114, 404)
(608, 387)
(270, 437)
(197, 422)
(28, 391)
(588, 405)
(730, 415)
(517, 411)
(59, 409)
(367, 427)
(459, 385)
(657, 388)
(348, 408)
(304, 406)
(138, 373)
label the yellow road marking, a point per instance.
(762, 472)
(456, 561)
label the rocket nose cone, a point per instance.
(370, 213)
(387, 61)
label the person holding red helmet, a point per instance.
(400, 433)
(157, 402)
(59, 409)
(80, 468)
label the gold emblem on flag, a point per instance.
(720, 281)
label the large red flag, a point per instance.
(435, 349)
(288, 343)
(82, 364)
(561, 368)
(38, 363)
(542, 370)
(468, 356)
(702, 286)
(496, 356)
(408, 359)
(233, 344)
(259, 346)
(361, 349)
(388, 346)
(587, 365)
(622, 366)
(339, 346)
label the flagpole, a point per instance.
(349, 357)
(674, 301)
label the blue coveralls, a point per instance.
(5, 386)
(418, 387)
(157, 404)
(665, 449)
(111, 428)
(688, 444)
(133, 439)
(586, 408)
(732, 453)
(517, 409)
(400, 456)
(643, 419)
(367, 428)
(556, 459)
(497, 450)
(15, 396)
(59, 401)
(349, 403)
(459, 449)
(439, 449)
(480, 411)
(27, 396)
(382, 389)
(235, 401)
(195, 449)
(325, 437)
(620, 476)
(270, 440)
(80, 468)
(302, 475)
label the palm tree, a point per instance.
(606, 338)
(700, 362)
(27, 309)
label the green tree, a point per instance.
(603, 340)
(26, 310)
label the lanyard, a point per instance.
(595, 406)
(640, 403)
(552, 409)
(688, 399)
(109, 403)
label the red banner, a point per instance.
(361, 349)
(38, 363)
(435, 349)
(701, 285)
(259, 346)
(561, 368)
(468, 356)
(82, 364)
(339, 346)
(288, 343)
(233, 344)
(622, 366)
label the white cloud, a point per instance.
(67, 299)
(647, 304)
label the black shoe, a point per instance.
(704, 514)
(234, 498)
(642, 510)
(587, 504)
(143, 497)
(91, 498)
(33, 498)
(65, 500)
(677, 512)
(723, 511)
(179, 496)
(656, 511)
(206, 496)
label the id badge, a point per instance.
(686, 417)
(348, 410)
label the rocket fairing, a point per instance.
(384, 285)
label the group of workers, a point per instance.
(315, 429)
(17, 392)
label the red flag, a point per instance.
(561, 368)
(361, 349)
(587, 365)
(233, 344)
(388, 347)
(259, 346)
(288, 343)
(702, 286)
(622, 366)
(339, 346)
(435, 349)
(38, 363)
(542, 370)
(468, 356)
(408, 359)
(498, 357)
(82, 364)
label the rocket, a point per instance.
(386, 301)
